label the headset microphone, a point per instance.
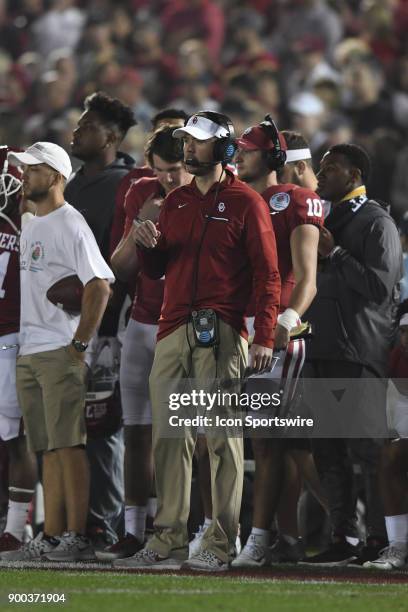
(197, 164)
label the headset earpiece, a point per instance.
(274, 158)
(224, 148)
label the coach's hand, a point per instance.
(145, 234)
(260, 358)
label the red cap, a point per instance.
(255, 138)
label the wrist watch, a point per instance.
(79, 346)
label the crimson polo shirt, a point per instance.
(238, 252)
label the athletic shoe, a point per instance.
(72, 547)
(147, 559)
(33, 551)
(283, 552)
(253, 554)
(205, 561)
(28, 533)
(339, 554)
(194, 546)
(100, 538)
(125, 547)
(370, 552)
(9, 542)
(390, 558)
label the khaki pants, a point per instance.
(175, 360)
(51, 391)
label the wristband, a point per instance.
(26, 218)
(288, 319)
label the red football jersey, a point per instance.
(119, 214)
(290, 206)
(9, 275)
(148, 298)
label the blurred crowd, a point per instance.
(337, 71)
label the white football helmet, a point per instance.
(10, 178)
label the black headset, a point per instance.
(276, 157)
(225, 147)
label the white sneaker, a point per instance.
(194, 546)
(72, 547)
(147, 559)
(254, 554)
(205, 561)
(390, 558)
(32, 551)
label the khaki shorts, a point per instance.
(51, 392)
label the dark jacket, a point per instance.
(94, 197)
(353, 313)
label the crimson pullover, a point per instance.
(238, 252)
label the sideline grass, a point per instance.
(113, 592)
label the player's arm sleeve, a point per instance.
(306, 209)
(375, 277)
(261, 248)
(153, 262)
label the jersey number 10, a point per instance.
(315, 208)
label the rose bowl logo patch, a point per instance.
(279, 201)
(36, 253)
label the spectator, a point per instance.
(299, 19)
(308, 116)
(365, 100)
(203, 19)
(60, 27)
(250, 54)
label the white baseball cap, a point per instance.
(44, 153)
(201, 128)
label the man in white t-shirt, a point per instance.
(51, 369)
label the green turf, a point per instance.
(87, 592)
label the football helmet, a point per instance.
(10, 178)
